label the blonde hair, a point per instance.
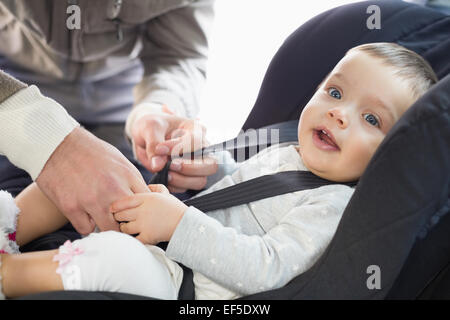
(409, 65)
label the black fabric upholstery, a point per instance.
(426, 272)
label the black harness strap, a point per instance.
(259, 188)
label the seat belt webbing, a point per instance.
(258, 188)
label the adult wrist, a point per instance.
(141, 110)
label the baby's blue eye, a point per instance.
(334, 93)
(370, 118)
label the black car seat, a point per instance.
(290, 81)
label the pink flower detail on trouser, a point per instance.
(65, 257)
(12, 236)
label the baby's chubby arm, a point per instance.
(153, 217)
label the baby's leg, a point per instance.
(38, 215)
(106, 261)
(28, 273)
(30, 215)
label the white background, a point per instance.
(245, 37)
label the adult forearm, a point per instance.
(174, 56)
(176, 83)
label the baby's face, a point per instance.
(347, 118)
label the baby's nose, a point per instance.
(339, 117)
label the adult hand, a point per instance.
(158, 136)
(84, 176)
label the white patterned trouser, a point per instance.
(116, 262)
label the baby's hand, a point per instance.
(152, 216)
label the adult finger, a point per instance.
(160, 188)
(174, 147)
(153, 164)
(129, 202)
(197, 167)
(186, 182)
(125, 216)
(130, 227)
(184, 140)
(158, 163)
(82, 222)
(176, 190)
(154, 136)
(141, 156)
(138, 185)
(105, 220)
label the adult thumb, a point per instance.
(153, 138)
(82, 222)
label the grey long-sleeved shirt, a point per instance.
(261, 245)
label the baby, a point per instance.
(240, 250)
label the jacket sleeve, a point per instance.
(9, 85)
(248, 264)
(31, 125)
(174, 56)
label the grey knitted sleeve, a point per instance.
(9, 86)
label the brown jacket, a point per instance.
(169, 38)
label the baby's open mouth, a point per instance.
(324, 140)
